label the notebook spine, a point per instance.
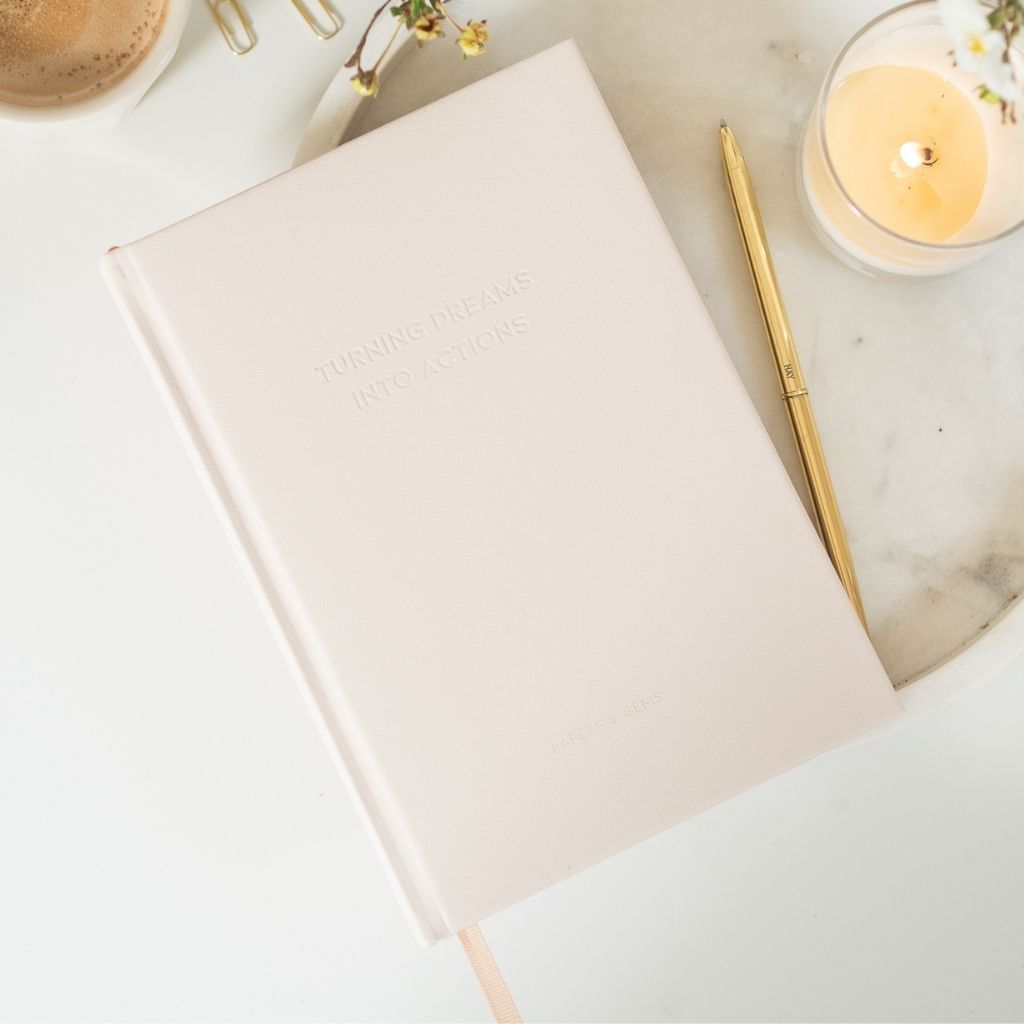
(124, 282)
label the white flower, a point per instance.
(1004, 77)
(976, 44)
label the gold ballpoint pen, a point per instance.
(794, 388)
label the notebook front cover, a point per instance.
(549, 585)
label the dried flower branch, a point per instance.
(425, 19)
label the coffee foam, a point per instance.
(55, 52)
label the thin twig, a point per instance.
(357, 54)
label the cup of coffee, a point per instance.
(83, 60)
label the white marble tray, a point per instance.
(918, 385)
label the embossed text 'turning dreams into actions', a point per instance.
(441, 317)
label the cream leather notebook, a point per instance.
(534, 559)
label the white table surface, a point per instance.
(174, 842)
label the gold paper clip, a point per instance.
(313, 23)
(237, 29)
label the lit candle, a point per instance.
(903, 169)
(909, 147)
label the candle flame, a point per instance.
(911, 154)
(914, 155)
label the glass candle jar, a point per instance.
(903, 169)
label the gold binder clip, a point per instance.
(236, 29)
(314, 23)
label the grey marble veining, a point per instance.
(918, 385)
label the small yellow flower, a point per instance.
(473, 38)
(365, 83)
(427, 26)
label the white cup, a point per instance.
(113, 103)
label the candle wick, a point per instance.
(914, 155)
